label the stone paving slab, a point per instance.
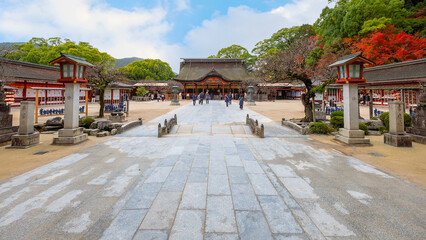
(210, 185)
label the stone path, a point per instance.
(210, 179)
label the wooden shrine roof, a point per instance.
(197, 69)
(14, 70)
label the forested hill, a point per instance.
(122, 62)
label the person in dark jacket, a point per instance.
(241, 99)
(194, 99)
(226, 100)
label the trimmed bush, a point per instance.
(382, 130)
(385, 119)
(374, 118)
(363, 127)
(319, 127)
(87, 121)
(337, 122)
(336, 113)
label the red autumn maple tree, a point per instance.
(388, 46)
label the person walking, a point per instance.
(241, 102)
(207, 97)
(194, 99)
(201, 98)
(230, 98)
(226, 100)
(158, 97)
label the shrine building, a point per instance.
(216, 76)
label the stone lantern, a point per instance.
(175, 100)
(350, 73)
(72, 74)
(250, 101)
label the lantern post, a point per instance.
(350, 73)
(72, 74)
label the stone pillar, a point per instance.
(71, 133)
(250, 101)
(175, 100)
(26, 136)
(396, 136)
(351, 134)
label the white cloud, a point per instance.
(143, 32)
(245, 26)
(139, 32)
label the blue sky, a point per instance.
(163, 29)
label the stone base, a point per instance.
(251, 103)
(25, 141)
(175, 103)
(398, 140)
(70, 136)
(418, 138)
(352, 137)
(6, 133)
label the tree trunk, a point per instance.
(101, 102)
(308, 107)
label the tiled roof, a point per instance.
(348, 58)
(198, 69)
(17, 70)
(415, 69)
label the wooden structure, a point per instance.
(72, 68)
(216, 75)
(387, 83)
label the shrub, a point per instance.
(374, 118)
(336, 113)
(319, 127)
(141, 91)
(87, 122)
(363, 127)
(385, 119)
(382, 129)
(337, 122)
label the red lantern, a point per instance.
(73, 69)
(350, 68)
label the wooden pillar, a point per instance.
(382, 93)
(184, 90)
(112, 97)
(45, 94)
(403, 99)
(196, 89)
(223, 91)
(36, 107)
(24, 92)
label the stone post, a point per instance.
(250, 101)
(175, 101)
(6, 128)
(71, 133)
(396, 136)
(351, 134)
(26, 136)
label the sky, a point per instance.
(160, 29)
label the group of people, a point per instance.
(228, 99)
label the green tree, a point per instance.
(42, 51)
(141, 91)
(153, 69)
(357, 17)
(282, 39)
(235, 51)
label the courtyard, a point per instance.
(212, 179)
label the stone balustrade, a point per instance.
(168, 125)
(254, 127)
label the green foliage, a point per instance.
(374, 118)
(153, 69)
(336, 113)
(363, 127)
(141, 91)
(282, 39)
(42, 51)
(383, 129)
(385, 119)
(87, 122)
(235, 51)
(337, 122)
(319, 127)
(357, 17)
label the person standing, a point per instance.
(158, 97)
(241, 102)
(226, 100)
(194, 99)
(201, 98)
(230, 98)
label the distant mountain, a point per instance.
(7, 46)
(122, 62)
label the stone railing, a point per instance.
(168, 125)
(141, 98)
(254, 127)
